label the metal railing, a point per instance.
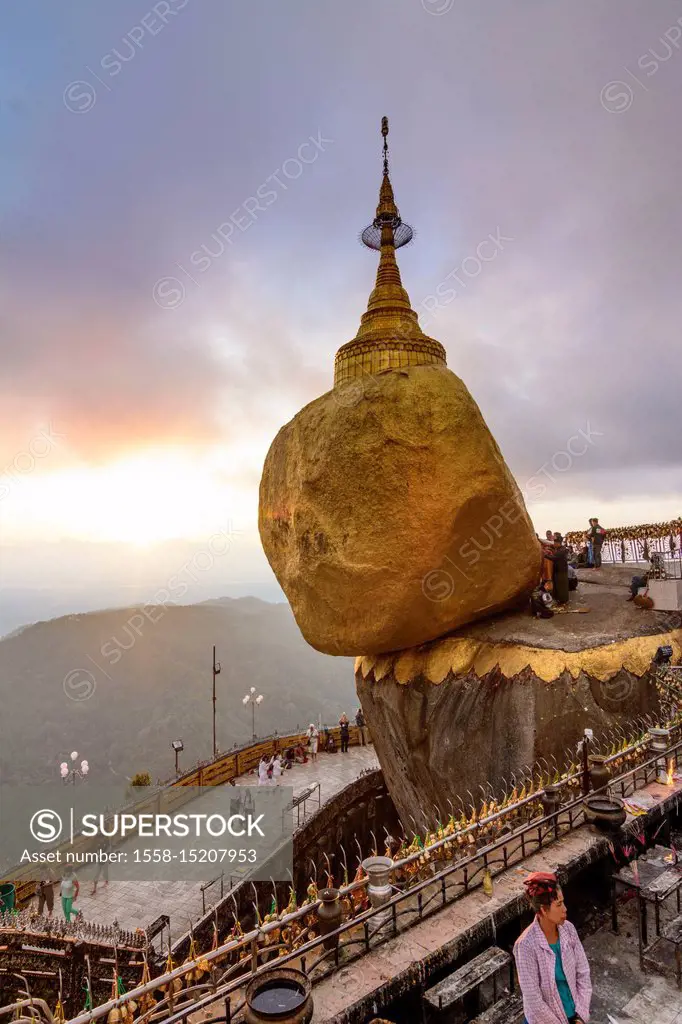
(301, 800)
(634, 544)
(209, 885)
(422, 887)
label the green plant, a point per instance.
(141, 779)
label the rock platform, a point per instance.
(484, 701)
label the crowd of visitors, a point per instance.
(559, 562)
(270, 771)
(270, 768)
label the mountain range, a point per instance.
(118, 686)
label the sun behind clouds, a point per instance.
(143, 499)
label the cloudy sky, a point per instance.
(147, 362)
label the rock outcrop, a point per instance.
(475, 707)
(389, 515)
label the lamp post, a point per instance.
(253, 700)
(71, 774)
(178, 747)
(216, 672)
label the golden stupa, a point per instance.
(387, 511)
(389, 336)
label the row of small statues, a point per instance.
(58, 928)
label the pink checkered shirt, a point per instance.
(536, 963)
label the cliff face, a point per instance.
(468, 709)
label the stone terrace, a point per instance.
(137, 904)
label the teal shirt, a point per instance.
(561, 983)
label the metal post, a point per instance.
(176, 763)
(253, 718)
(216, 672)
(586, 766)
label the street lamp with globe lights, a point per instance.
(71, 774)
(253, 700)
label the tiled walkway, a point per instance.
(332, 771)
(137, 904)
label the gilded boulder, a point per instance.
(389, 516)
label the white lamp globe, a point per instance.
(74, 755)
(245, 700)
(85, 767)
(64, 769)
(259, 699)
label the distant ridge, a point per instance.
(118, 685)
(256, 603)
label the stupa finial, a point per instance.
(389, 335)
(386, 208)
(387, 228)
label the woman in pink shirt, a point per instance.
(554, 974)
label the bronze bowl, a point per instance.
(282, 994)
(607, 813)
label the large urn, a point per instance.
(283, 995)
(330, 914)
(599, 773)
(379, 887)
(659, 741)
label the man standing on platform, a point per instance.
(45, 894)
(597, 536)
(360, 722)
(313, 736)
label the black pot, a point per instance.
(551, 800)
(607, 813)
(283, 994)
(599, 773)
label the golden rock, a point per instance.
(392, 518)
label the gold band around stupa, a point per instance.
(360, 358)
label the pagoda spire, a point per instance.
(386, 209)
(389, 335)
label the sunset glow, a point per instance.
(146, 498)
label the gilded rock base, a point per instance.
(459, 713)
